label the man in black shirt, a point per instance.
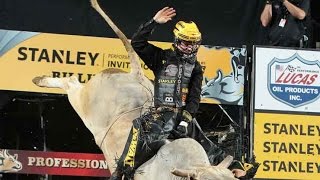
(286, 21)
(178, 74)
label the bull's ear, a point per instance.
(219, 76)
(226, 162)
(15, 156)
(206, 80)
(185, 173)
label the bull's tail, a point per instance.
(133, 57)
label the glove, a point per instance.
(186, 116)
(185, 120)
(183, 128)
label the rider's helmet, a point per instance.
(187, 38)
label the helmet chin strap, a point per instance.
(190, 58)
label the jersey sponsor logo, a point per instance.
(168, 98)
(167, 81)
(171, 70)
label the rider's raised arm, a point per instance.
(150, 54)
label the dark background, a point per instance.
(27, 120)
(224, 22)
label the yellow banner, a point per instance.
(25, 55)
(287, 146)
(58, 55)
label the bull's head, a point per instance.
(219, 172)
(227, 89)
(9, 163)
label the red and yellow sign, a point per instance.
(53, 163)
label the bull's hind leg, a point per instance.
(62, 83)
(73, 88)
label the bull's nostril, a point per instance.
(18, 166)
(223, 83)
(205, 93)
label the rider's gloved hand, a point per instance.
(185, 120)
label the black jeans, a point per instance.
(151, 131)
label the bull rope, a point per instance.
(121, 115)
(124, 113)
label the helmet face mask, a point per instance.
(186, 47)
(187, 38)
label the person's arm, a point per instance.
(266, 14)
(149, 53)
(193, 99)
(297, 12)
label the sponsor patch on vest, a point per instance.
(185, 90)
(168, 98)
(171, 70)
(167, 81)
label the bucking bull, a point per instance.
(112, 99)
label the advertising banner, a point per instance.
(224, 74)
(25, 55)
(53, 163)
(287, 80)
(287, 146)
(286, 115)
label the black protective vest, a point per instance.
(172, 82)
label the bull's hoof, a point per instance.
(37, 80)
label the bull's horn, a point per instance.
(1, 153)
(235, 71)
(15, 156)
(6, 153)
(206, 80)
(185, 173)
(219, 76)
(226, 162)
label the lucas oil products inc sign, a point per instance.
(286, 114)
(294, 81)
(287, 80)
